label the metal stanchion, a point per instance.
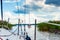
(24, 31)
(2, 12)
(18, 25)
(35, 30)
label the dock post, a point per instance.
(35, 30)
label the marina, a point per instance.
(22, 20)
(40, 35)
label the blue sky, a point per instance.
(42, 10)
(54, 2)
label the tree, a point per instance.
(43, 26)
(9, 26)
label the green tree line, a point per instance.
(6, 25)
(43, 26)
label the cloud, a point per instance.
(17, 7)
(28, 1)
(36, 5)
(37, 9)
(14, 18)
(41, 19)
(47, 17)
(32, 7)
(53, 2)
(46, 7)
(38, 0)
(40, 5)
(7, 15)
(44, 17)
(11, 1)
(26, 8)
(33, 17)
(21, 11)
(56, 15)
(26, 18)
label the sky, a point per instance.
(42, 10)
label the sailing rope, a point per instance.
(9, 34)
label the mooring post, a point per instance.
(18, 25)
(35, 30)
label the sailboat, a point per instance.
(6, 34)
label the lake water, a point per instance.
(40, 35)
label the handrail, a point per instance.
(9, 34)
(54, 24)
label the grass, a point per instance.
(5, 23)
(43, 26)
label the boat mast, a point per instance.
(1, 10)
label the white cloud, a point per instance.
(27, 18)
(8, 15)
(14, 18)
(11, 16)
(41, 3)
(40, 19)
(47, 8)
(33, 16)
(28, 1)
(56, 15)
(17, 7)
(11, 1)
